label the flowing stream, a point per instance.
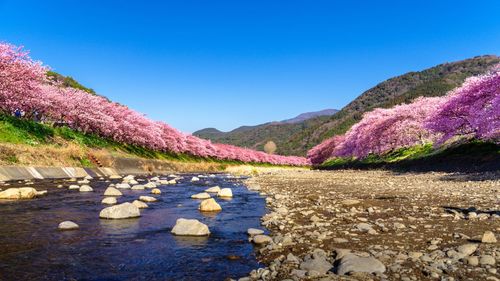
(32, 248)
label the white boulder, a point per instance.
(188, 227)
(121, 211)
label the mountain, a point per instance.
(257, 136)
(297, 138)
(308, 115)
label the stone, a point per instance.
(340, 240)
(261, 239)
(41, 193)
(352, 263)
(225, 193)
(18, 193)
(467, 249)
(86, 188)
(364, 227)
(123, 185)
(473, 261)
(129, 178)
(115, 177)
(315, 218)
(73, 186)
(209, 205)
(85, 181)
(155, 191)
(147, 199)
(195, 179)
(133, 182)
(111, 191)
(202, 195)
(317, 265)
(487, 260)
(140, 204)
(190, 227)
(121, 211)
(68, 225)
(488, 237)
(350, 202)
(138, 187)
(214, 189)
(109, 201)
(254, 231)
(150, 185)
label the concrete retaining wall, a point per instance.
(11, 173)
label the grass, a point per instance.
(458, 156)
(29, 133)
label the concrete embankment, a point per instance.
(117, 166)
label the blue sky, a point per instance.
(197, 64)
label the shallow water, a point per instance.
(134, 249)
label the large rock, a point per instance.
(225, 193)
(214, 189)
(147, 199)
(123, 185)
(140, 204)
(254, 231)
(18, 193)
(489, 237)
(109, 201)
(261, 239)
(86, 188)
(67, 225)
(202, 195)
(187, 227)
(121, 211)
(316, 264)
(209, 205)
(353, 263)
(150, 185)
(467, 249)
(155, 191)
(195, 179)
(111, 191)
(138, 187)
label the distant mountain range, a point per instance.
(295, 136)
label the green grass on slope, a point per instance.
(469, 156)
(22, 131)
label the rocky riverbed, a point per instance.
(378, 225)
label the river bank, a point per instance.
(399, 226)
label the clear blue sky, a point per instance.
(196, 64)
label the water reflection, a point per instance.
(133, 249)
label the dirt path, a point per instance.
(411, 226)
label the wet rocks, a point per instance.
(254, 231)
(202, 195)
(156, 191)
(190, 227)
(68, 225)
(138, 187)
(111, 191)
(123, 186)
(209, 205)
(140, 204)
(121, 211)
(214, 189)
(195, 179)
(150, 185)
(225, 193)
(261, 239)
(109, 201)
(86, 188)
(352, 263)
(73, 187)
(18, 193)
(147, 199)
(488, 237)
